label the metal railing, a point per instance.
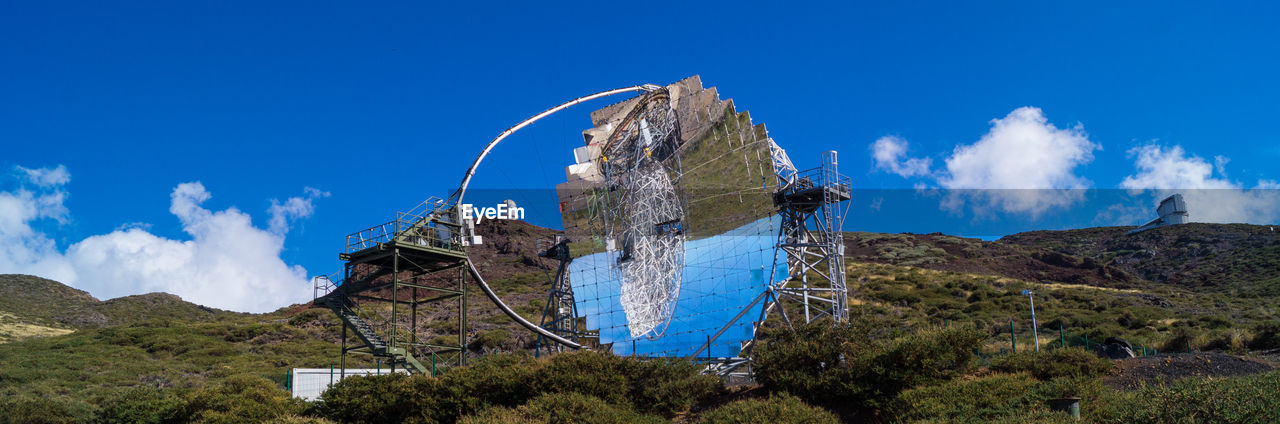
(431, 223)
(323, 284)
(816, 177)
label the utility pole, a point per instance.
(1034, 333)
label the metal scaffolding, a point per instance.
(396, 269)
(643, 212)
(560, 313)
(812, 209)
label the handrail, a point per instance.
(409, 226)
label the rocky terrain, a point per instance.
(1165, 369)
(1240, 258)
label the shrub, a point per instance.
(653, 386)
(924, 357)
(42, 410)
(561, 408)
(776, 409)
(1049, 364)
(310, 315)
(494, 380)
(852, 365)
(598, 374)
(1211, 400)
(1233, 340)
(298, 419)
(493, 339)
(1216, 322)
(669, 386)
(813, 362)
(967, 400)
(360, 399)
(509, 381)
(141, 405)
(1038, 416)
(1180, 341)
(239, 399)
(1266, 335)
(1007, 398)
(390, 398)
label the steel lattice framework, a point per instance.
(810, 203)
(643, 214)
(560, 314)
(812, 206)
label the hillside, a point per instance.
(1237, 258)
(33, 306)
(948, 253)
(1240, 259)
(1188, 279)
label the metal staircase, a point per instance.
(348, 311)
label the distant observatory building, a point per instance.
(1172, 210)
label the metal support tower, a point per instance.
(812, 207)
(560, 314)
(395, 270)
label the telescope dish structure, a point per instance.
(686, 226)
(689, 225)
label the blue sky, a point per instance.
(378, 107)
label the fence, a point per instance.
(1065, 339)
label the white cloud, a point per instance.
(226, 263)
(46, 177)
(889, 153)
(293, 209)
(1023, 164)
(1160, 168)
(23, 249)
(1164, 171)
(1220, 164)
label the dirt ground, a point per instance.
(1134, 372)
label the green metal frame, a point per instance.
(416, 261)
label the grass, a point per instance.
(13, 328)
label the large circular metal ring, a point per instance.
(456, 199)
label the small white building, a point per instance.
(308, 383)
